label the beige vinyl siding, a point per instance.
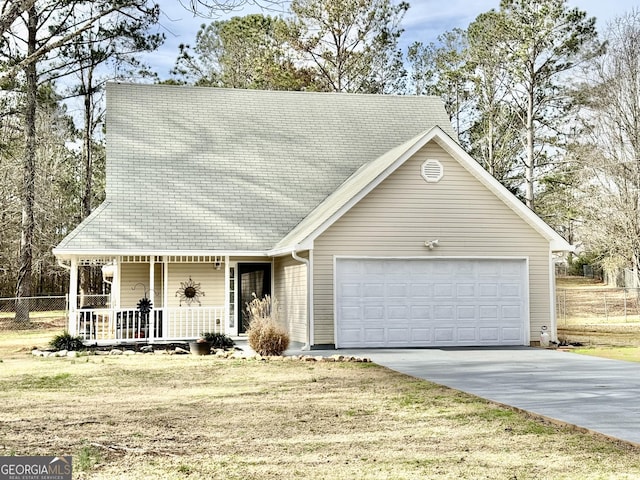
(404, 211)
(134, 282)
(158, 292)
(211, 283)
(290, 289)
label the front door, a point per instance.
(253, 278)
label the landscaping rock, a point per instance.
(241, 355)
(73, 354)
(129, 352)
(181, 351)
(115, 351)
(60, 353)
(146, 349)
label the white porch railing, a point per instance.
(161, 324)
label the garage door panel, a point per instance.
(443, 334)
(489, 335)
(510, 290)
(421, 289)
(373, 290)
(351, 335)
(443, 312)
(397, 290)
(398, 312)
(466, 312)
(350, 314)
(398, 335)
(488, 312)
(511, 334)
(509, 312)
(430, 302)
(466, 335)
(420, 312)
(443, 290)
(350, 290)
(489, 290)
(421, 336)
(373, 313)
(465, 290)
(374, 335)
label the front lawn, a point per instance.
(174, 417)
(629, 354)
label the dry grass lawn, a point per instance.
(185, 417)
(627, 354)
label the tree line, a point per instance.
(548, 105)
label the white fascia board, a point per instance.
(287, 249)
(67, 254)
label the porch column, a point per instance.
(115, 285)
(226, 324)
(152, 297)
(165, 297)
(73, 297)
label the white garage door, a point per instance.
(430, 302)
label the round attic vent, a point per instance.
(432, 171)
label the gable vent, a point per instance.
(432, 171)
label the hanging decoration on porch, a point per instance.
(144, 304)
(189, 292)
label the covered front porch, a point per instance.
(122, 325)
(162, 298)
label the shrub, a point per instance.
(66, 341)
(266, 336)
(218, 340)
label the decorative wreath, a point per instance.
(189, 292)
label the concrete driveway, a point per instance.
(598, 394)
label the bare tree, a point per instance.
(540, 42)
(214, 8)
(27, 44)
(611, 154)
(11, 10)
(345, 42)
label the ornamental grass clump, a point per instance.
(66, 341)
(266, 336)
(218, 340)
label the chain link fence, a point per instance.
(43, 312)
(588, 306)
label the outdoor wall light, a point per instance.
(431, 244)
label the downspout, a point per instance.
(307, 263)
(553, 314)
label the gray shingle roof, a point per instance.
(213, 170)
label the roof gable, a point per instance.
(213, 170)
(371, 175)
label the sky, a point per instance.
(425, 20)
